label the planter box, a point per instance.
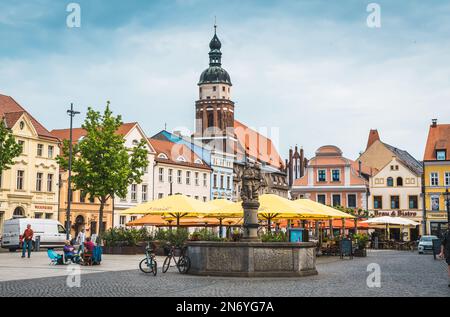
(124, 250)
(360, 253)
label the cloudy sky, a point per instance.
(311, 68)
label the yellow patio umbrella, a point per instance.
(220, 212)
(276, 207)
(175, 206)
(321, 209)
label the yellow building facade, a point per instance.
(30, 187)
(437, 177)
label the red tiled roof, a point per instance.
(77, 133)
(173, 151)
(438, 139)
(257, 146)
(11, 111)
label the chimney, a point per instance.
(360, 168)
(434, 123)
(291, 174)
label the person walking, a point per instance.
(445, 251)
(81, 238)
(27, 241)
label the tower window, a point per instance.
(214, 88)
(223, 88)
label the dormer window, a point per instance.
(22, 125)
(441, 155)
(163, 156)
(181, 159)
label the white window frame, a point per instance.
(318, 176)
(331, 175)
(432, 178)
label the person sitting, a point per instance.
(69, 251)
(89, 245)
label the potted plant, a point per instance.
(361, 241)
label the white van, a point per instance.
(51, 232)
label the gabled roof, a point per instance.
(257, 146)
(169, 152)
(438, 139)
(11, 112)
(410, 162)
(78, 133)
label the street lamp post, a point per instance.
(447, 201)
(72, 114)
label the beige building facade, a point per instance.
(30, 187)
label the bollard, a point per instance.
(37, 244)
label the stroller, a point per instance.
(55, 258)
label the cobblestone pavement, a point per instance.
(402, 274)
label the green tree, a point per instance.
(9, 148)
(102, 165)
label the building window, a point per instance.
(133, 192)
(188, 178)
(434, 179)
(196, 180)
(215, 181)
(441, 155)
(39, 182)
(204, 198)
(214, 88)
(395, 202)
(122, 220)
(390, 182)
(160, 195)
(205, 180)
(144, 192)
(40, 150)
(322, 175)
(170, 176)
(22, 145)
(399, 181)
(228, 182)
(161, 175)
(50, 183)
(91, 199)
(38, 215)
(179, 177)
(378, 202)
(196, 197)
(50, 151)
(413, 202)
(336, 175)
(435, 203)
(351, 201)
(322, 199)
(336, 200)
(222, 182)
(20, 180)
(447, 178)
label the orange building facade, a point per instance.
(334, 180)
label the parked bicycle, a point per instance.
(183, 263)
(148, 264)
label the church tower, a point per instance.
(214, 109)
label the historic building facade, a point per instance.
(332, 179)
(396, 190)
(178, 170)
(30, 187)
(85, 210)
(436, 163)
(227, 138)
(220, 162)
(395, 183)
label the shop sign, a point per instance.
(396, 213)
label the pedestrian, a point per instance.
(27, 243)
(81, 238)
(445, 251)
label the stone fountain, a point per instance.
(250, 257)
